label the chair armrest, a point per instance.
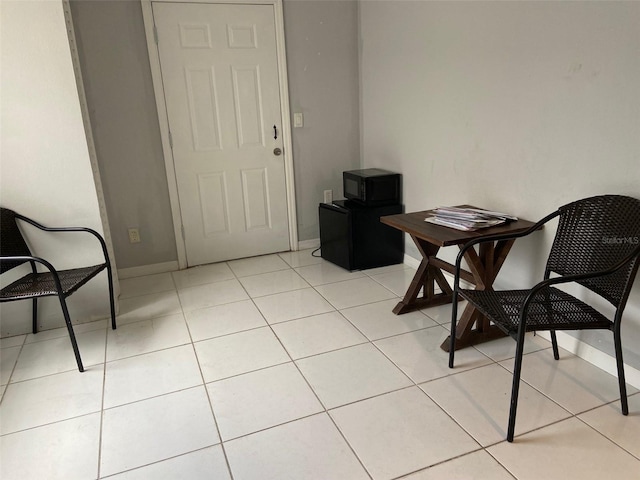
(574, 278)
(496, 238)
(29, 258)
(103, 244)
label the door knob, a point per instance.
(277, 151)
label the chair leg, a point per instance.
(452, 333)
(72, 336)
(34, 321)
(111, 303)
(515, 388)
(620, 364)
(554, 344)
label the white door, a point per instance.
(220, 75)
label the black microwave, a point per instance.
(372, 186)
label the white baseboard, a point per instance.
(147, 270)
(595, 357)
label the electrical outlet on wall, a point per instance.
(328, 196)
(134, 235)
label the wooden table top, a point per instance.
(414, 224)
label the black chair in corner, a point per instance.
(597, 245)
(62, 283)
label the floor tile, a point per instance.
(397, 281)
(301, 258)
(377, 320)
(479, 400)
(622, 430)
(147, 336)
(351, 293)
(223, 319)
(400, 432)
(242, 352)
(388, 269)
(323, 273)
(257, 265)
(149, 306)
(258, 400)
(8, 358)
(442, 313)
(64, 333)
(290, 305)
(164, 427)
(65, 450)
(56, 356)
(571, 381)
(200, 275)
(505, 348)
(418, 354)
(473, 466)
(149, 375)
(317, 334)
(201, 464)
(274, 282)
(309, 449)
(548, 453)
(51, 399)
(136, 286)
(351, 374)
(14, 341)
(211, 294)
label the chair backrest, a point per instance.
(595, 234)
(12, 243)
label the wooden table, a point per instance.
(484, 264)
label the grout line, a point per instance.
(408, 475)
(35, 427)
(577, 417)
(499, 462)
(13, 369)
(206, 390)
(111, 475)
(104, 383)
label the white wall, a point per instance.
(45, 171)
(516, 106)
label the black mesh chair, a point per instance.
(62, 283)
(597, 245)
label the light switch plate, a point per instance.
(298, 120)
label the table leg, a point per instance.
(466, 335)
(425, 279)
(484, 266)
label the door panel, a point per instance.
(203, 109)
(213, 203)
(220, 75)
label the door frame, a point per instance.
(158, 87)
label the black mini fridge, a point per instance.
(352, 236)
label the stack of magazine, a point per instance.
(467, 219)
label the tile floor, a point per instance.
(288, 367)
